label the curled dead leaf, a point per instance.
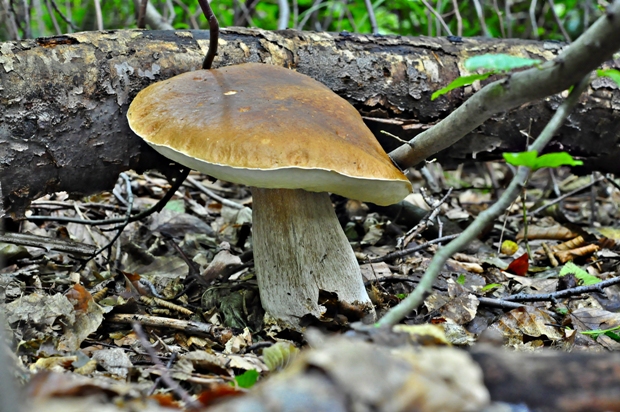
(556, 232)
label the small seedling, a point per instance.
(494, 63)
(247, 379)
(533, 161)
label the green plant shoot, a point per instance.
(533, 161)
(611, 73)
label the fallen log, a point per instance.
(63, 99)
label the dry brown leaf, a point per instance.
(566, 255)
(556, 232)
(570, 244)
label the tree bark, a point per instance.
(64, 98)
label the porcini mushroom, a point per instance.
(292, 140)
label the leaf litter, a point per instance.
(196, 254)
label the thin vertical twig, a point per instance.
(284, 14)
(214, 33)
(17, 20)
(164, 374)
(500, 18)
(247, 15)
(192, 20)
(67, 21)
(50, 11)
(459, 19)
(371, 17)
(351, 20)
(559, 22)
(173, 14)
(142, 14)
(27, 25)
(68, 11)
(12, 22)
(437, 16)
(429, 23)
(295, 14)
(98, 14)
(532, 12)
(480, 14)
(509, 17)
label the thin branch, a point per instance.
(214, 33)
(499, 303)
(213, 195)
(284, 13)
(437, 16)
(399, 312)
(532, 12)
(559, 22)
(500, 17)
(483, 24)
(59, 245)
(164, 373)
(125, 223)
(410, 251)
(50, 12)
(564, 196)
(371, 17)
(459, 19)
(142, 14)
(593, 48)
(62, 16)
(152, 17)
(190, 15)
(12, 21)
(98, 14)
(597, 287)
(156, 208)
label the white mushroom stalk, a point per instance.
(299, 250)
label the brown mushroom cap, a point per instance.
(266, 126)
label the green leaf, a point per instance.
(585, 277)
(498, 62)
(533, 161)
(597, 332)
(490, 286)
(558, 159)
(176, 205)
(247, 379)
(401, 295)
(614, 336)
(461, 279)
(459, 82)
(527, 159)
(278, 356)
(611, 73)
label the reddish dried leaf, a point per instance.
(79, 297)
(520, 265)
(166, 400)
(216, 393)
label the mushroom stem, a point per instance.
(299, 250)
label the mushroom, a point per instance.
(292, 140)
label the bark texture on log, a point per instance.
(63, 99)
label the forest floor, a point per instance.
(541, 276)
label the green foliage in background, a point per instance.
(493, 18)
